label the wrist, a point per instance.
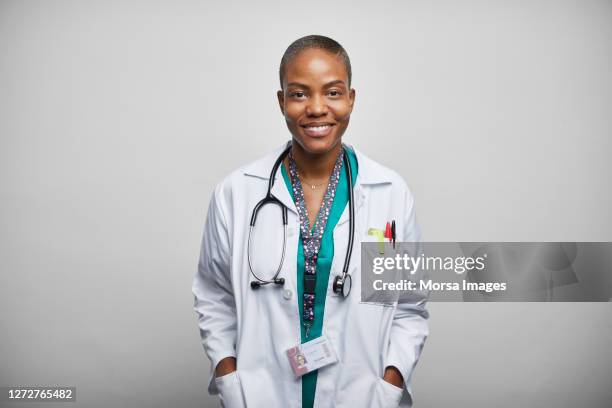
(393, 376)
(225, 366)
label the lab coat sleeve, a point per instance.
(409, 329)
(212, 288)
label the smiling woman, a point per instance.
(364, 353)
(316, 98)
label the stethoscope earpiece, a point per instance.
(277, 281)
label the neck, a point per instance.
(315, 166)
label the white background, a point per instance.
(117, 118)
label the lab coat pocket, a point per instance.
(386, 395)
(230, 390)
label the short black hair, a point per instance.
(314, 41)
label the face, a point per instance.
(316, 100)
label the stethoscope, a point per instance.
(342, 283)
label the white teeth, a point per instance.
(318, 127)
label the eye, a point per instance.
(334, 92)
(297, 94)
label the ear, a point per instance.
(352, 98)
(281, 101)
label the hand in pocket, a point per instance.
(386, 395)
(230, 390)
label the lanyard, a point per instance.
(311, 239)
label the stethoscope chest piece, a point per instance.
(342, 285)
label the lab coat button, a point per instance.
(287, 294)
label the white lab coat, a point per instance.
(258, 326)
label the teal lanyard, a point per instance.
(311, 238)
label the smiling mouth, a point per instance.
(318, 130)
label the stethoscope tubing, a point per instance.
(280, 265)
(270, 199)
(351, 203)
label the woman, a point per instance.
(246, 324)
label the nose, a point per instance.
(316, 106)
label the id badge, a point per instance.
(311, 356)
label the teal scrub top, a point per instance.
(324, 262)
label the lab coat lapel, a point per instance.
(280, 191)
(261, 169)
(359, 200)
(369, 173)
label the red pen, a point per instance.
(388, 232)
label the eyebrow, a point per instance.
(337, 81)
